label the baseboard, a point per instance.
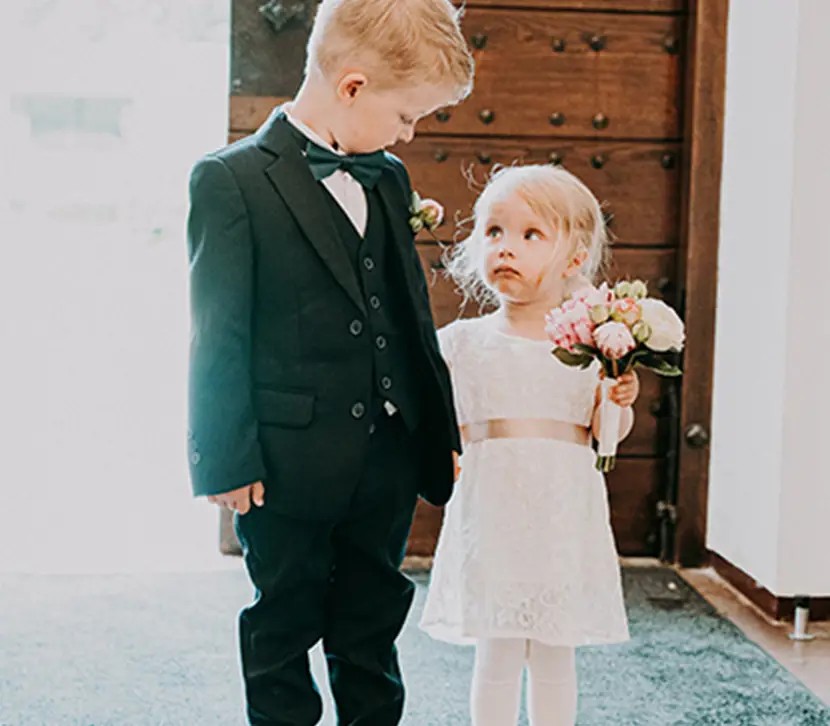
(776, 607)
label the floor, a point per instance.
(807, 661)
(150, 649)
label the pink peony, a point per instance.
(432, 213)
(626, 311)
(593, 296)
(561, 336)
(570, 324)
(614, 340)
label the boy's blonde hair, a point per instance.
(396, 41)
(556, 196)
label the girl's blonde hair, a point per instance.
(556, 196)
(398, 42)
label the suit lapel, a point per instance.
(292, 179)
(396, 213)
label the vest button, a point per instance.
(374, 301)
(358, 410)
(380, 342)
(386, 383)
(356, 328)
(369, 263)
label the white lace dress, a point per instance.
(526, 548)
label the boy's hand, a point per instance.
(239, 500)
(627, 390)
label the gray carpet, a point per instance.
(160, 650)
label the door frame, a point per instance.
(701, 189)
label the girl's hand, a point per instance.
(626, 391)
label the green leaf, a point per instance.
(660, 367)
(585, 349)
(572, 359)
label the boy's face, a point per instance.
(371, 119)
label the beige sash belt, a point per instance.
(526, 428)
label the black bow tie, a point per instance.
(366, 168)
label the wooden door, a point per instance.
(598, 86)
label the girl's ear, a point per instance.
(575, 265)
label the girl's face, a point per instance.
(524, 260)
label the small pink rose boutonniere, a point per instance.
(425, 214)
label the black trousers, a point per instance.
(338, 581)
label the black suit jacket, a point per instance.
(274, 369)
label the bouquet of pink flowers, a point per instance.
(621, 327)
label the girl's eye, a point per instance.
(494, 232)
(532, 235)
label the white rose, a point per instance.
(667, 330)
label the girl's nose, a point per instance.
(505, 252)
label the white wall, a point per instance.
(769, 502)
(805, 502)
(93, 304)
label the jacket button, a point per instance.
(374, 301)
(358, 410)
(380, 342)
(356, 328)
(386, 383)
(369, 263)
(195, 458)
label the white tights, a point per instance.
(497, 683)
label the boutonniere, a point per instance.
(426, 214)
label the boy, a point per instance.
(319, 404)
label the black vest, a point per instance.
(386, 332)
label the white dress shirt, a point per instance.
(346, 190)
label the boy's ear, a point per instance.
(350, 86)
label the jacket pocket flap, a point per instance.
(284, 408)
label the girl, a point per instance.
(526, 567)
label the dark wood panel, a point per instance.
(657, 268)
(634, 489)
(265, 61)
(425, 528)
(635, 6)
(447, 303)
(624, 69)
(701, 222)
(637, 182)
(633, 80)
(247, 113)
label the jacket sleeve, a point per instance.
(406, 188)
(223, 446)
(405, 185)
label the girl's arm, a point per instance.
(624, 394)
(626, 421)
